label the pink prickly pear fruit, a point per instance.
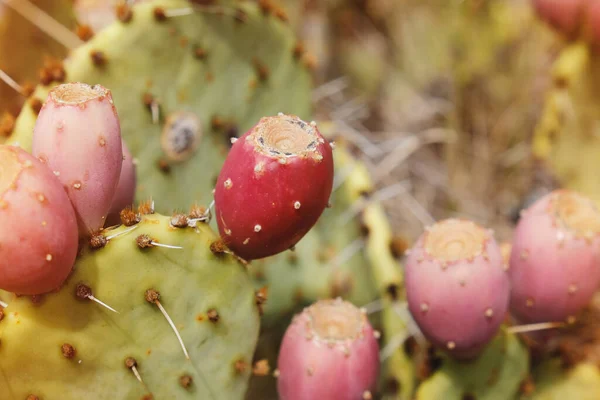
(330, 351)
(457, 286)
(563, 15)
(125, 193)
(78, 136)
(273, 187)
(554, 263)
(38, 227)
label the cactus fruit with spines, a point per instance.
(38, 233)
(457, 287)
(330, 350)
(282, 170)
(93, 351)
(78, 136)
(554, 261)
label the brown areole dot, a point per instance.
(144, 241)
(83, 291)
(124, 13)
(36, 105)
(164, 166)
(213, 315)
(179, 221)
(186, 381)
(98, 241)
(298, 50)
(159, 14)
(84, 32)
(98, 58)
(152, 296)
(129, 217)
(199, 53)
(68, 351)
(130, 362)
(32, 397)
(240, 366)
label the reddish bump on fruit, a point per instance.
(330, 351)
(125, 193)
(273, 187)
(457, 287)
(78, 136)
(38, 229)
(558, 277)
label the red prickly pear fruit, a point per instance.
(330, 351)
(273, 187)
(38, 226)
(125, 193)
(457, 286)
(554, 264)
(563, 15)
(78, 135)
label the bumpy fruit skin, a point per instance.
(38, 227)
(78, 135)
(328, 352)
(457, 287)
(273, 187)
(554, 267)
(125, 193)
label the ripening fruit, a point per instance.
(457, 286)
(330, 351)
(38, 227)
(273, 187)
(554, 263)
(78, 136)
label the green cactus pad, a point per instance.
(495, 375)
(552, 383)
(65, 347)
(225, 66)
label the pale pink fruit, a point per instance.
(38, 227)
(457, 286)
(78, 136)
(329, 351)
(555, 264)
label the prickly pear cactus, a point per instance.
(495, 375)
(567, 137)
(67, 345)
(185, 78)
(553, 383)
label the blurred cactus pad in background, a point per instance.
(299, 199)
